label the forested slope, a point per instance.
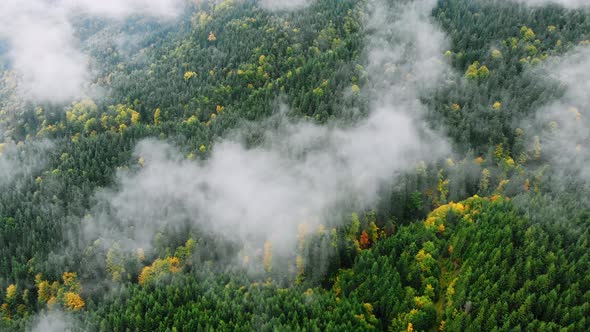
(111, 204)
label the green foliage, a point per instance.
(415, 259)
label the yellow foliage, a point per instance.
(73, 301)
(51, 302)
(189, 74)
(300, 264)
(134, 117)
(5, 311)
(192, 120)
(437, 217)
(122, 128)
(159, 268)
(267, 258)
(69, 278)
(10, 293)
(157, 115)
(527, 33)
(497, 105)
(421, 301)
(456, 107)
(211, 37)
(203, 148)
(219, 108)
(302, 231)
(410, 327)
(44, 291)
(478, 160)
(443, 187)
(355, 88)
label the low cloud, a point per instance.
(53, 321)
(571, 4)
(284, 4)
(565, 124)
(17, 162)
(302, 173)
(42, 47)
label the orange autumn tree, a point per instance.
(364, 240)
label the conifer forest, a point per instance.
(294, 165)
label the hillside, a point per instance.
(325, 165)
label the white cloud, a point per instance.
(302, 173)
(567, 144)
(17, 162)
(42, 47)
(285, 4)
(572, 4)
(54, 321)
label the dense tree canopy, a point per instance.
(492, 238)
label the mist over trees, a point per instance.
(337, 165)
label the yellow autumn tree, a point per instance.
(157, 116)
(189, 74)
(159, 268)
(267, 257)
(44, 291)
(114, 262)
(471, 72)
(135, 117)
(211, 37)
(300, 265)
(73, 301)
(11, 294)
(373, 232)
(527, 33)
(70, 280)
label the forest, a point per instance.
(304, 165)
